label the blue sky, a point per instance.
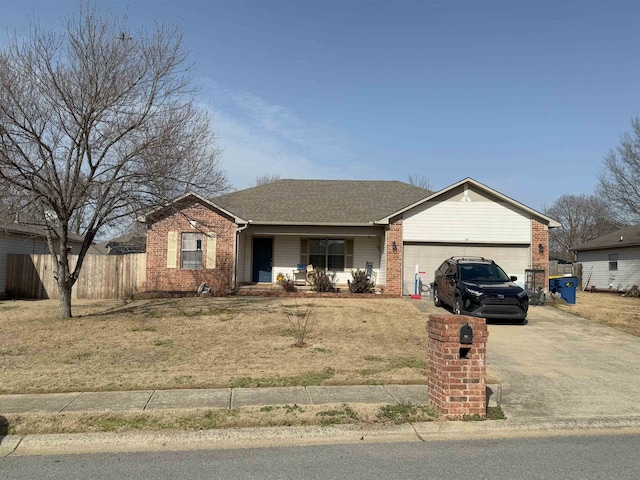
(526, 97)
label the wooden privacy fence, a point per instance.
(101, 276)
(560, 269)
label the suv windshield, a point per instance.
(482, 273)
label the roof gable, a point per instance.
(149, 216)
(445, 192)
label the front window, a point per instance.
(329, 254)
(318, 253)
(191, 258)
(613, 261)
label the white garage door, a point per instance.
(513, 259)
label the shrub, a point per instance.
(299, 319)
(287, 283)
(322, 283)
(360, 283)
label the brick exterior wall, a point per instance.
(177, 218)
(540, 236)
(457, 385)
(394, 259)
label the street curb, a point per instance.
(61, 444)
(527, 427)
(64, 444)
(8, 444)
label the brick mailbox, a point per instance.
(457, 347)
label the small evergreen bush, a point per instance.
(322, 283)
(360, 283)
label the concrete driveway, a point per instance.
(562, 366)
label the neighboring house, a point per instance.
(124, 245)
(24, 239)
(252, 235)
(611, 261)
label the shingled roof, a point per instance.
(625, 237)
(317, 202)
(32, 230)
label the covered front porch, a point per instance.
(264, 252)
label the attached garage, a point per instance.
(469, 219)
(513, 259)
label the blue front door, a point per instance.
(262, 260)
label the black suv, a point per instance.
(477, 286)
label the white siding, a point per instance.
(286, 255)
(242, 255)
(382, 273)
(17, 245)
(365, 249)
(474, 222)
(595, 268)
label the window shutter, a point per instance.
(348, 258)
(172, 249)
(211, 250)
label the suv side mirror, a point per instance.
(513, 278)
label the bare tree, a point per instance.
(265, 179)
(420, 181)
(620, 176)
(96, 124)
(583, 218)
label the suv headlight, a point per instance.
(522, 294)
(475, 293)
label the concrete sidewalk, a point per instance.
(217, 398)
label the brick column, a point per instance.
(540, 236)
(457, 372)
(394, 257)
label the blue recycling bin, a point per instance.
(566, 287)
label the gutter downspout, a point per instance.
(235, 256)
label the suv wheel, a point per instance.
(457, 305)
(436, 298)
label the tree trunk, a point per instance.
(64, 292)
(64, 281)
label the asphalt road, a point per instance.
(552, 458)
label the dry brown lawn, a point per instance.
(204, 419)
(618, 312)
(207, 342)
(229, 342)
